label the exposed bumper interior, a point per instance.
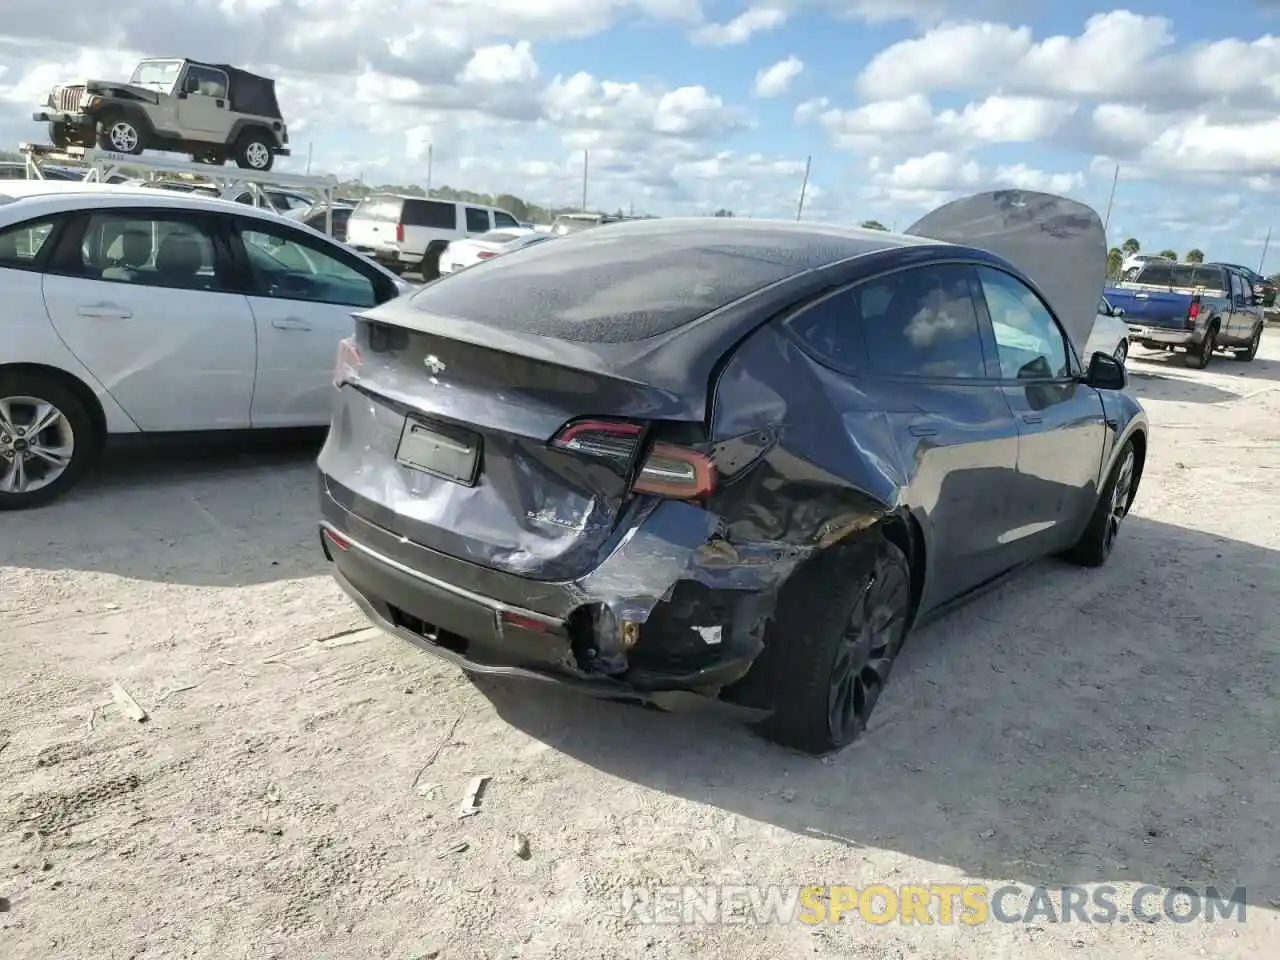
(639, 626)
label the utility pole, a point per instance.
(1106, 221)
(1265, 245)
(586, 159)
(309, 148)
(431, 148)
(804, 186)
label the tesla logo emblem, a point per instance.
(434, 364)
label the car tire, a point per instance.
(70, 430)
(429, 268)
(1199, 357)
(253, 152)
(1248, 353)
(118, 134)
(59, 135)
(840, 622)
(1099, 538)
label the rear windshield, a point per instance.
(379, 208)
(1181, 275)
(601, 290)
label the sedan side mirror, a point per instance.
(1118, 312)
(1106, 372)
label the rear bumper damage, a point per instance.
(672, 615)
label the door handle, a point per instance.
(920, 430)
(1032, 418)
(104, 311)
(291, 323)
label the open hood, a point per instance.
(1059, 243)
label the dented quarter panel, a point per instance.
(853, 450)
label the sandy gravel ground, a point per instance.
(297, 797)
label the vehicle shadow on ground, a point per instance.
(1153, 384)
(1045, 734)
(202, 511)
(1223, 366)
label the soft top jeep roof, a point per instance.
(248, 92)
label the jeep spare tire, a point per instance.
(119, 134)
(253, 152)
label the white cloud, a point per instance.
(741, 28)
(1119, 56)
(931, 179)
(776, 80)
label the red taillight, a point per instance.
(346, 367)
(668, 470)
(342, 543)
(1194, 310)
(613, 439)
(671, 471)
(399, 233)
(485, 254)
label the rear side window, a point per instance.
(501, 219)
(379, 208)
(922, 323)
(430, 213)
(20, 245)
(831, 329)
(477, 220)
(603, 290)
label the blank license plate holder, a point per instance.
(441, 451)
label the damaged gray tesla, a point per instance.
(726, 462)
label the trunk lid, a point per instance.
(1059, 243)
(447, 443)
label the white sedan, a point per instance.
(1110, 333)
(129, 310)
(461, 254)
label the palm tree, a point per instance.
(873, 225)
(1169, 254)
(1115, 260)
(1130, 246)
(1195, 256)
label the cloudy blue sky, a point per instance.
(690, 105)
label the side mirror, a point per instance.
(1118, 312)
(1106, 372)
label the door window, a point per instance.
(20, 245)
(206, 81)
(1029, 341)
(501, 219)
(151, 250)
(922, 323)
(477, 220)
(291, 267)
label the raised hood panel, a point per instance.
(1059, 243)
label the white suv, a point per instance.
(129, 310)
(410, 233)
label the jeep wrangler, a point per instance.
(213, 112)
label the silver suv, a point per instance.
(214, 112)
